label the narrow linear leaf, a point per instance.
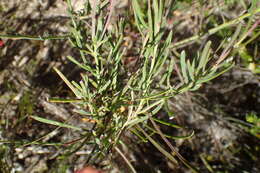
(157, 109)
(135, 121)
(84, 89)
(150, 107)
(184, 67)
(85, 67)
(61, 100)
(77, 86)
(170, 69)
(150, 20)
(163, 78)
(105, 86)
(161, 10)
(82, 112)
(138, 13)
(181, 137)
(77, 37)
(196, 87)
(156, 11)
(74, 90)
(55, 123)
(167, 109)
(208, 78)
(204, 56)
(93, 82)
(160, 94)
(166, 123)
(191, 70)
(138, 135)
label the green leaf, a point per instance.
(149, 107)
(77, 86)
(158, 95)
(138, 14)
(135, 121)
(62, 100)
(167, 123)
(74, 90)
(163, 78)
(162, 55)
(55, 123)
(210, 77)
(161, 10)
(195, 87)
(104, 87)
(85, 67)
(157, 109)
(85, 90)
(184, 67)
(93, 82)
(144, 72)
(204, 57)
(169, 73)
(82, 112)
(135, 132)
(191, 70)
(150, 20)
(77, 37)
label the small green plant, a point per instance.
(115, 97)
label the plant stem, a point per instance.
(28, 37)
